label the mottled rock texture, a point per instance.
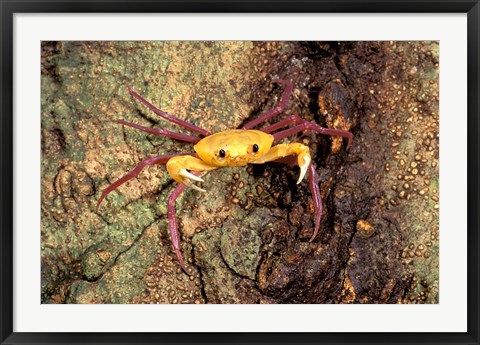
(246, 240)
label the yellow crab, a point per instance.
(232, 148)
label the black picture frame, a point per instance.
(9, 7)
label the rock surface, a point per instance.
(246, 240)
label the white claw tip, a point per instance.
(303, 168)
(189, 183)
(198, 188)
(186, 174)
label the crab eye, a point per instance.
(255, 148)
(221, 153)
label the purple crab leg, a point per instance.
(314, 189)
(295, 119)
(136, 171)
(168, 116)
(311, 126)
(172, 222)
(301, 125)
(317, 199)
(159, 131)
(278, 109)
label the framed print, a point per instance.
(239, 172)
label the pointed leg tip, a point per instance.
(316, 229)
(349, 141)
(182, 263)
(98, 205)
(187, 271)
(184, 268)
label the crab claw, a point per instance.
(188, 179)
(189, 175)
(303, 163)
(178, 168)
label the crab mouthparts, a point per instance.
(237, 161)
